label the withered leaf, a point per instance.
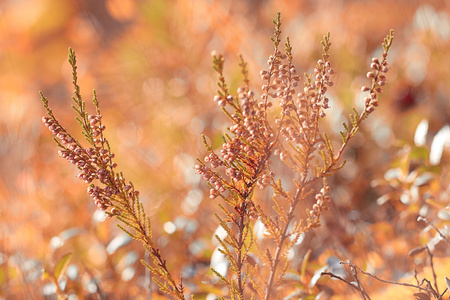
(416, 251)
(421, 296)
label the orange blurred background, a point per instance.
(150, 63)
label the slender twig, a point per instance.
(432, 269)
(360, 286)
(384, 280)
(415, 276)
(148, 278)
(430, 288)
(278, 252)
(239, 259)
(339, 278)
(443, 293)
(420, 218)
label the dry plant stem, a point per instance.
(443, 293)
(432, 270)
(430, 289)
(174, 289)
(415, 276)
(420, 218)
(148, 278)
(278, 252)
(388, 281)
(239, 260)
(341, 279)
(435, 293)
(360, 286)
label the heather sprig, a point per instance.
(254, 139)
(107, 187)
(379, 67)
(240, 165)
(281, 126)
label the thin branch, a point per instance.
(384, 280)
(420, 218)
(341, 279)
(360, 286)
(432, 270)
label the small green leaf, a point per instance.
(62, 265)
(419, 153)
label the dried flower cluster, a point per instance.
(283, 122)
(378, 80)
(94, 163)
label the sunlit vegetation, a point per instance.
(223, 156)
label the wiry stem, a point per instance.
(240, 262)
(278, 251)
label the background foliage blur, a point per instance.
(150, 63)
